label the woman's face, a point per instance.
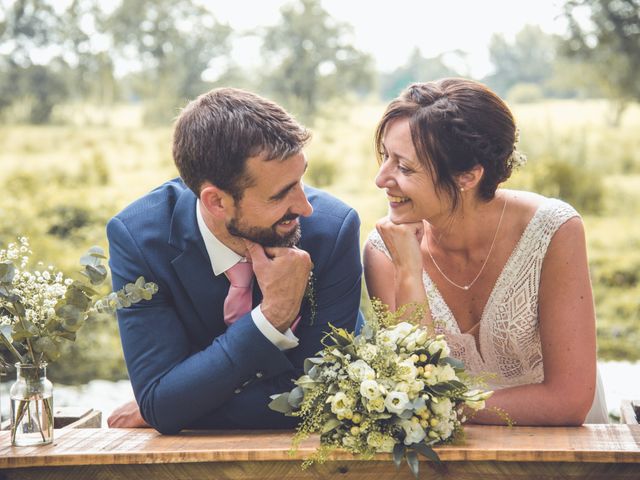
(409, 186)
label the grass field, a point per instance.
(62, 183)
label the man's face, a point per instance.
(269, 210)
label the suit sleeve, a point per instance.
(174, 386)
(338, 289)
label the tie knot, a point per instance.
(241, 274)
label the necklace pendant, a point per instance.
(465, 287)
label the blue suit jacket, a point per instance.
(187, 368)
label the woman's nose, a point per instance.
(383, 178)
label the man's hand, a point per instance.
(127, 416)
(282, 274)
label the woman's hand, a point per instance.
(403, 243)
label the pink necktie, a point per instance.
(239, 298)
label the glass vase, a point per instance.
(31, 406)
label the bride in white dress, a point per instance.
(504, 272)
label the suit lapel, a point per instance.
(193, 267)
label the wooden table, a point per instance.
(594, 452)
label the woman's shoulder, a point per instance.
(530, 206)
(539, 218)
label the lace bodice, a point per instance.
(509, 336)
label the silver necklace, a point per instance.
(493, 242)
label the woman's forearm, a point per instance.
(536, 404)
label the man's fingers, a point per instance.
(255, 252)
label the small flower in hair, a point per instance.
(517, 159)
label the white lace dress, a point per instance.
(509, 336)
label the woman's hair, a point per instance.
(456, 124)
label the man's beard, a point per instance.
(267, 237)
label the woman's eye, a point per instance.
(404, 169)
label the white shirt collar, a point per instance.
(222, 257)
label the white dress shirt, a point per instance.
(223, 258)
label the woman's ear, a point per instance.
(215, 201)
(471, 178)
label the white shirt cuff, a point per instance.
(284, 341)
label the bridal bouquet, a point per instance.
(392, 388)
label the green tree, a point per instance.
(609, 41)
(528, 59)
(416, 69)
(90, 71)
(31, 68)
(310, 59)
(168, 44)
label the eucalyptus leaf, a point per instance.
(7, 272)
(71, 316)
(96, 273)
(367, 331)
(314, 372)
(94, 256)
(7, 293)
(412, 460)
(76, 297)
(330, 425)
(427, 452)
(305, 381)
(295, 397)
(398, 454)
(6, 331)
(280, 403)
(18, 309)
(454, 362)
(309, 363)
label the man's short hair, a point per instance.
(217, 132)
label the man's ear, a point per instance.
(215, 201)
(471, 178)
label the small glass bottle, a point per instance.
(31, 406)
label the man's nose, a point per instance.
(302, 206)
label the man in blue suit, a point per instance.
(239, 198)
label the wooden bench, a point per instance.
(488, 452)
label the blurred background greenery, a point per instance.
(86, 130)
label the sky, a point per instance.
(390, 29)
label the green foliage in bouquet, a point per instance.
(393, 388)
(39, 310)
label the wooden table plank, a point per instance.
(332, 470)
(590, 444)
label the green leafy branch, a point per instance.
(34, 340)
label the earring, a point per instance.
(462, 189)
